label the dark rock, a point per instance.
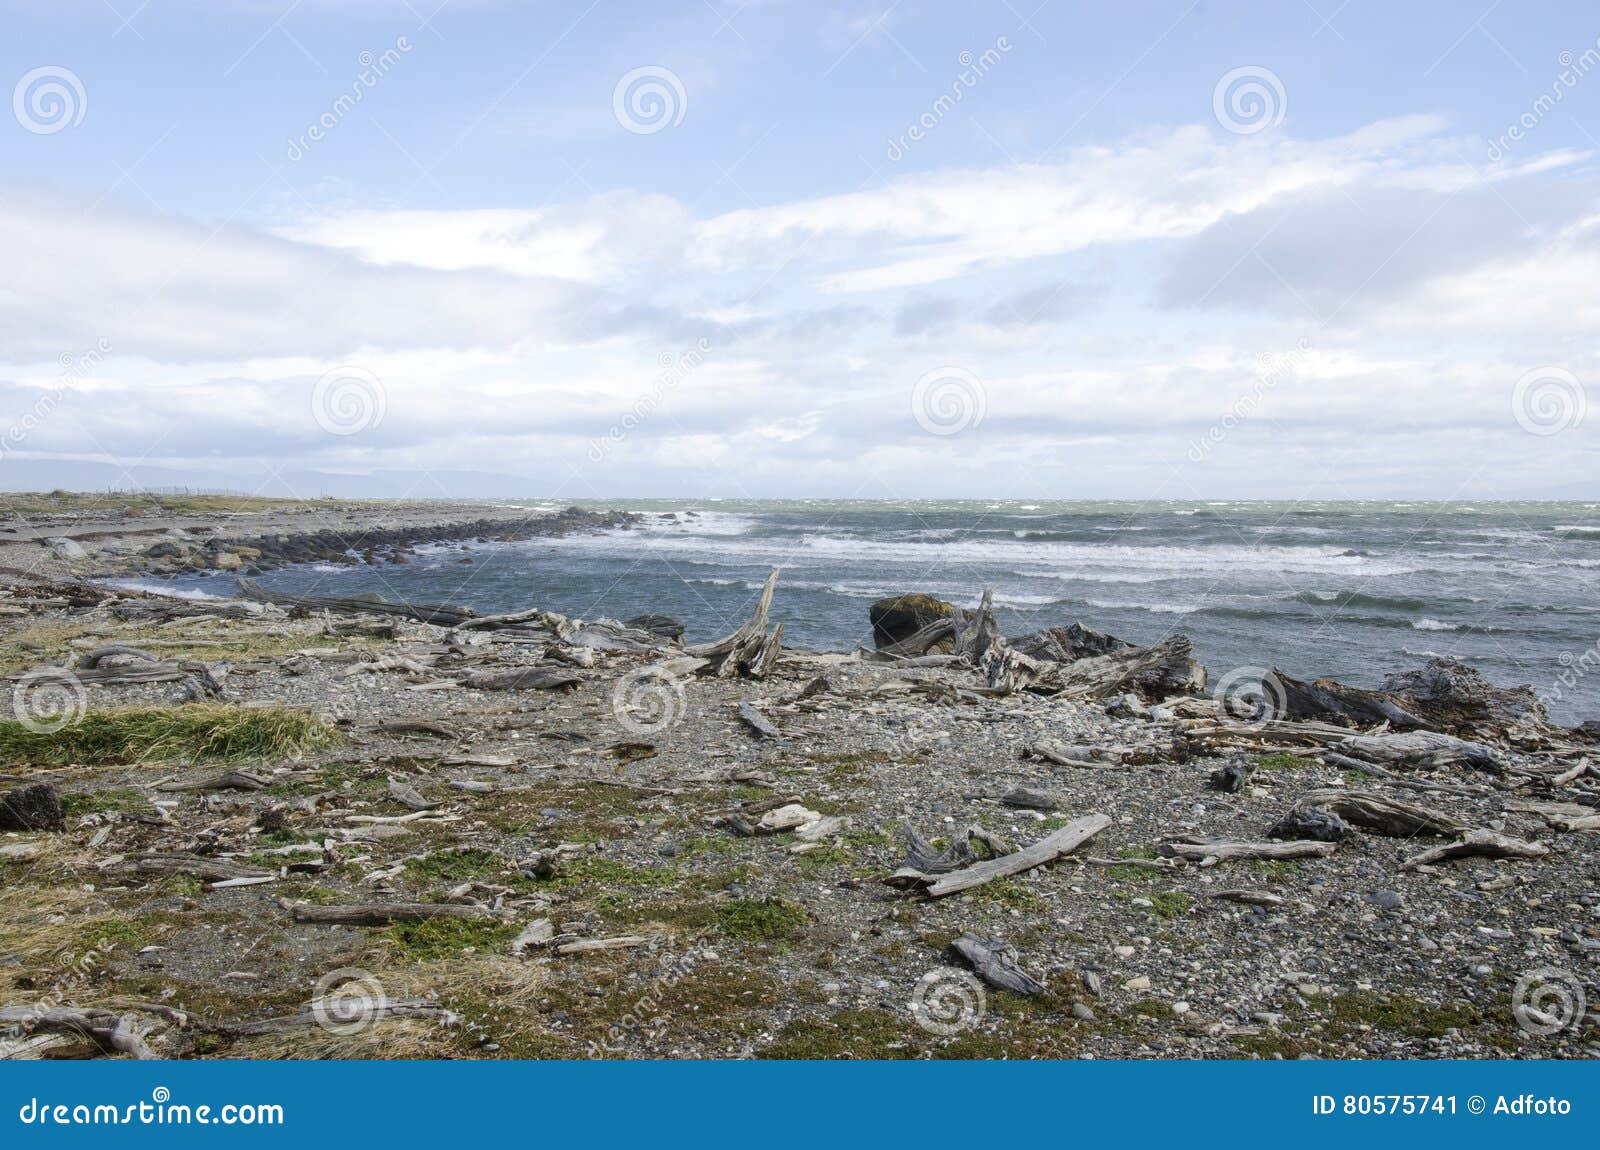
(31, 808)
(1386, 899)
(902, 616)
(1310, 823)
(1232, 777)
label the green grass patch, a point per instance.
(217, 732)
(1282, 761)
(437, 938)
(760, 920)
(612, 872)
(1398, 1013)
(1170, 903)
(455, 866)
(77, 803)
(1010, 893)
(818, 862)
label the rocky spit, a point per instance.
(646, 852)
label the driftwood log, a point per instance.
(995, 961)
(443, 616)
(1380, 814)
(113, 1033)
(382, 914)
(1208, 851)
(1479, 844)
(1046, 850)
(749, 651)
(539, 677)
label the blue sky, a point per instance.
(1091, 276)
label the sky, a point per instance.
(714, 248)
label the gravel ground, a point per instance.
(757, 946)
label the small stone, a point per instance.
(1141, 902)
(1309, 989)
(1124, 952)
(1386, 899)
(1082, 1013)
(1180, 1008)
(1138, 982)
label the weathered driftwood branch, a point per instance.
(756, 721)
(358, 1013)
(443, 616)
(1414, 750)
(1332, 702)
(1380, 814)
(205, 869)
(382, 914)
(226, 781)
(995, 961)
(1152, 673)
(112, 1032)
(1207, 852)
(749, 650)
(1046, 850)
(536, 678)
(1479, 844)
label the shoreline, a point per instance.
(555, 839)
(267, 534)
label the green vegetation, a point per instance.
(1282, 761)
(1008, 892)
(1351, 1013)
(759, 920)
(437, 938)
(75, 804)
(1169, 903)
(455, 866)
(190, 733)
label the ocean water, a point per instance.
(1348, 590)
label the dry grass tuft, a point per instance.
(144, 734)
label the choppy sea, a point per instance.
(1349, 590)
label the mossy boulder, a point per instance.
(901, 616)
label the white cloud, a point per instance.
(1114, 305)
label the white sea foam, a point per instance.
(156, 587)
